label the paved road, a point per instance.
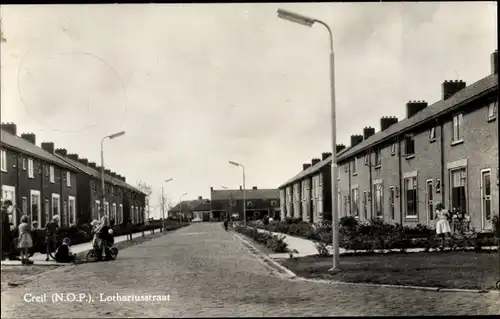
(208, 273)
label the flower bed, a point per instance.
(377, 235)
(273, 242)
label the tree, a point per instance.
(165, 204)
(148, 190)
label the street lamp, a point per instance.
(244, 195)
(112, 136)
(300, 19)
(180, 203)
(163, 203)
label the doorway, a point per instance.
(486, 217)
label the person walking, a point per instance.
(442, 224)
(50, 235)
(25, 240)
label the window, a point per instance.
(457, 128)
(35, 206)
(97, 207)
(4, 161)
(492, 110)
(68, 179)
(430, 199)
(346, 167)
(47, 211)
(392, 198)
(354, 166)
(65, 214)
(393, 149)
(486, 196)
(52, 174)
(320, 179)
(113, 212)
(365, 204)
(24, 205)
(458, 192)
(56, 206)
(106, 208)
(24, 163)
(14, 160)
(379, 192)
(355, 202)
(367, 157)
(31, 169)
(120, 217)
(411, 197)
(409, 146)
(72, 210)
(432, 134)
(378, 158)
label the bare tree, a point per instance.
(148, 190)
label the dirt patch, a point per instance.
(11, 274)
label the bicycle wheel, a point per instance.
(91, 256)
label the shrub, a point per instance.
(322, 245)
(276, 243)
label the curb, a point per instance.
(284, 272)
(435, 289)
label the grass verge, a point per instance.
(460, 270)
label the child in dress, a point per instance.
(442, 224)
(95, 239)
(63, 253)
(25, 240)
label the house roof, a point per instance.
(237, 194)
(205, 206)
(21, 145)
(464, 96)
(190, 205)
(312, 169)
(96, 174)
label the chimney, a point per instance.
(107, 172)
(315, 161)
(123, 178)
(74, 157)
(305, 166)
(10, 128)
(367, 132)
(254, 187)
(339, 147)
(325, 155)
(62, 152)
(30, 137)
(84, 161)
(413, 107)
(241, 188)
(98, 168)
(211, 189)
(92, 164)
(48, 146)
(494, 62)
(452, 87)
(200, 197)
(356, 139)
(387, 121)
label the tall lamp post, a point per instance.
(303, 20)
(244, 191)
(163, 204)
(180, 204)
(112, 136)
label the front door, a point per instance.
(429, 200)
(486, 199)
(9, 193)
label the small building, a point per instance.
(258, 203)
(186, 209)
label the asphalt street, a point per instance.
(204, 271)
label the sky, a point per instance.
(197, 85)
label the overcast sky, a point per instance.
(195, 86)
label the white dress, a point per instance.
(442, 225)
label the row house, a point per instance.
(37, 182)
(188, 209)
(308, 195)
(446, 152)
(257, 202)
(122, 201)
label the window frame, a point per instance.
(380, 201)
(415, 200)
(355, 201)
(392, 202)
(393, 148)
(3, 160)
(492, 111)
(466, 188)
(378, 157)
(37, 194)
(58, 197)
(68, 178)
(432, 134)
(355, 166)
(457, 125)
(71, 199)
(24, 163)
(52, 174)
(409, 139)
(31, 168)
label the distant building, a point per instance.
(258, 202)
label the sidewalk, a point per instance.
(39, 259)
(306, 247)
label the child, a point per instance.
(95, 240)
(442, 224)
(25, 240)
(50, 235)
(63, 253)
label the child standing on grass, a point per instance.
(25, 240)
(442, 224)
